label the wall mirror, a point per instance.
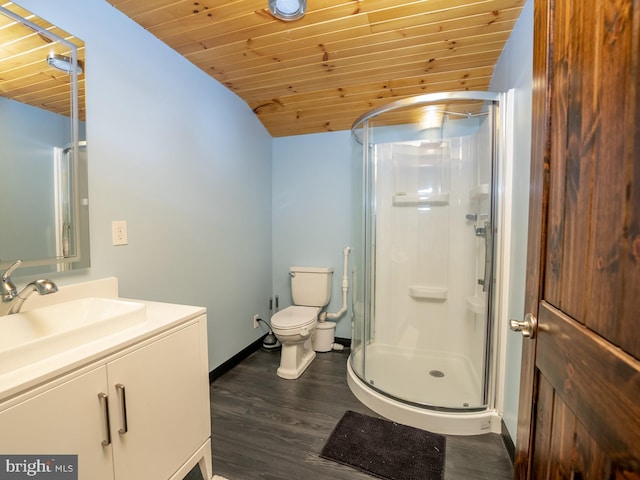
(43, 152)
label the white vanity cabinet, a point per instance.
(61, 419)
(160, 388)
(138, 413)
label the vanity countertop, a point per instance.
(160, 317)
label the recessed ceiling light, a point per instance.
(288, 10)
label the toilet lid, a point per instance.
(294, 317)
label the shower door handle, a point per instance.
(526, 327)
(488, 255)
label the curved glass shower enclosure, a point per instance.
(425, 171)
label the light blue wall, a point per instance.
(185, 162)
(312, 211)
(515, 70)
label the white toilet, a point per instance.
(294, 326)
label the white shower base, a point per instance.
(407, 375)
(439, 379)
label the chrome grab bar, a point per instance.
(488, 254)
(486, 233)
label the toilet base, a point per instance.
(294, 359)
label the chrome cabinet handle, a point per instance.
(123, 409)
(106, 426)
(527, 327)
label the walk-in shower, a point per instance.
(424, 342)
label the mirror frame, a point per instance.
(80, 257)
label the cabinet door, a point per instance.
(65, 420)
(163, 388)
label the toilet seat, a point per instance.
(294, 317)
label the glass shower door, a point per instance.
(426, 267)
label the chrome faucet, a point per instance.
(12, 300)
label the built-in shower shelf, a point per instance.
(428, 199)
(476, 304)
(480, 192)
(428, 293)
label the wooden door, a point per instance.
(579, 411)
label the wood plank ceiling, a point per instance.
(316, 74)
(343, 58)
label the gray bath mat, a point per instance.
(386, 449)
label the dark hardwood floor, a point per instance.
(265, 427)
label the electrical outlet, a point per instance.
(256, 317)
(119, 232)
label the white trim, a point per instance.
(505, 186)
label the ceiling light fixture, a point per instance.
(431, 117)
(62, 63)
(288, 10)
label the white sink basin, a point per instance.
(35, 335)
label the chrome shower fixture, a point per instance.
(63, 63)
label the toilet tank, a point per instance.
(311, 286)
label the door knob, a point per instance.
(526, 327)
